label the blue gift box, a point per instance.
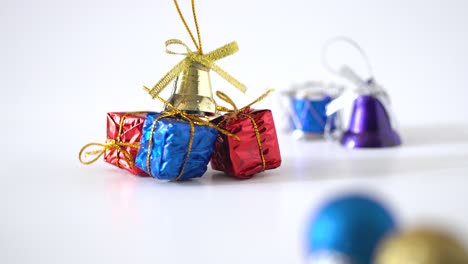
(170, 143)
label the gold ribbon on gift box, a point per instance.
(207, 60)
(192, 119)
(112, 144)
(237, 113)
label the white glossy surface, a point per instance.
(65, 63)
(54, 210)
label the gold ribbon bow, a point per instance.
(192, 119)
(207, 60)
(113, 144)
(235, 112)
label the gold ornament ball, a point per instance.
(422, 246)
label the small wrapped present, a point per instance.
(175, 145)
(124, 131)
(178, 143)
(306, 106)
(256, 149)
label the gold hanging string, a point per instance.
(200, 46)
(207, 60)
(197, 44)
(193, 120)
(113, 144)
(235, 112)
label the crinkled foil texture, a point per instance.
(131, 132)
(241, 158)
(170, 145)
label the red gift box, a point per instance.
(124, 131)
(242, 158)
(125, 128)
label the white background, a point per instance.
(64, 64)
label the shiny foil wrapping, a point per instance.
(241, 158)
(309, 115)
(131, 132)
(370, 125)
(192, 91)
(170, 145)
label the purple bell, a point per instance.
(370, 121)
(370, 125)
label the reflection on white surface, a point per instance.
(328, 258)
(122, 194)
(57, 211)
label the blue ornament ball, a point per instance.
(350, 226)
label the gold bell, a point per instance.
(192, 91)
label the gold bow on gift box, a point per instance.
(193, 120)
(238, 113)
(112, 144)
(192, 90)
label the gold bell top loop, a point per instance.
(191, 57)
(194, 13)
